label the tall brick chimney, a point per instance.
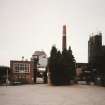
(64, 38)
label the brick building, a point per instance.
(22, 71)
(64, 46)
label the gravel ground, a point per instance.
(42, 94)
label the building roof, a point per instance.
(39, 53)
(22, 61)
(2, 67)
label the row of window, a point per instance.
(21, 77)
(21, 68)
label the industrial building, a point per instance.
(96, 56)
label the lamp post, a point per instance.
(7, 80)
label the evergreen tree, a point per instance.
(61, 66)
(72, 63)
(58, 68)
(68, 65)
(52, 64)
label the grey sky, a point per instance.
(29, 25)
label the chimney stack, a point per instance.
(64, 38)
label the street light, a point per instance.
(7, 80)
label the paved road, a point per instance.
(52, 95)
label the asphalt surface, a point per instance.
(42, 94)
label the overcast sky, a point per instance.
(30, 25)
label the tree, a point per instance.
(52, 65)
(72, 63)
(61, 66)
(68, 64)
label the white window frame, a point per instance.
(20, 66)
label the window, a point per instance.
(21, 67)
